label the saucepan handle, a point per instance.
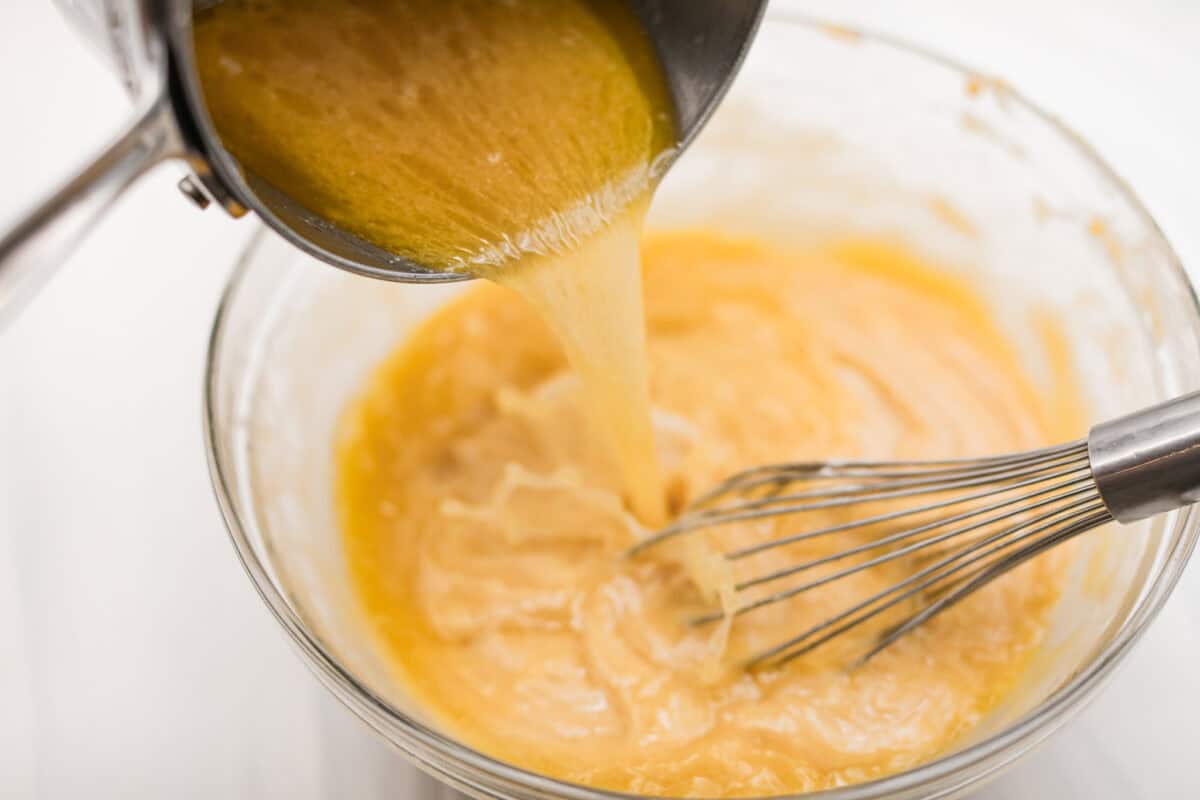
(38, 243)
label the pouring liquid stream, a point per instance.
(516, 141)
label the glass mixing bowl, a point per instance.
(826, 132)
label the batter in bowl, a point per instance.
(487, 491)
(484, 531)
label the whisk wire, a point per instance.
(924, 580)
(812, 470)
(875, 562)
(976, 519)
(908, 534)
(982, 577)
(748, 480)
(761, 509)
(895, 515)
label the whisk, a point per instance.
(971, 520)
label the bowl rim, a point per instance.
(447, 757)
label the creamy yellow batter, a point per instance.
(484, 529)
(487, 491)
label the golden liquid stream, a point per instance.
(592, 300)
(514, 140)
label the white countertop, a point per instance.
(135, 659)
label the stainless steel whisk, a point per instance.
(972, 520)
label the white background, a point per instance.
(136, 661)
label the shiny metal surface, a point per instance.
(960, 523)
(957, 524)
(1148, 462)
(701, 44)
(47, 236)
(148, 43)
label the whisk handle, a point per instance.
(1148, 462)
